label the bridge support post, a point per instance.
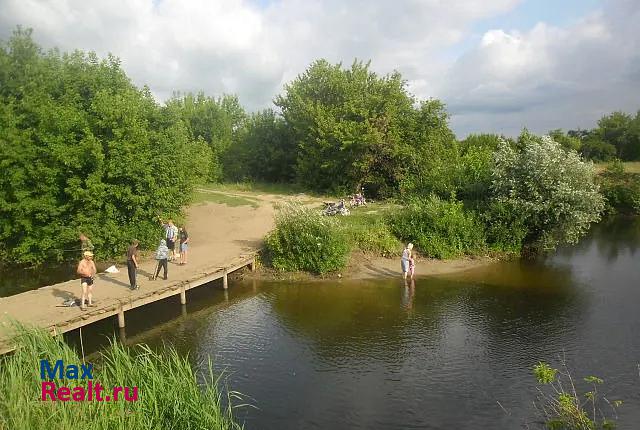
(225, 281)
(121, 319)
(183, 296)
(252, 265)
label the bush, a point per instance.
(306, 240)
(440, 229)
(170, 394)
(553, 190)
(505, 228)
(621, 190)
(562, 406)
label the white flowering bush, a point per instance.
(552, 189)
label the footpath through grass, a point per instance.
(170, 394)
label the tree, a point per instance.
(554, 190)
(216, 121)
(83, 149)
(265, 150)
(350, 127)
(567, 141)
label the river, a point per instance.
(453, 352)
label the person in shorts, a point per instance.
(170, 235)
(184, 245)
(87, 271)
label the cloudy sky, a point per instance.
(499, 65)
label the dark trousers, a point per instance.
(161, 263)
(131, 268)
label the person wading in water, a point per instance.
(87, 271)
(406, 258)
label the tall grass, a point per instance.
(440, 228)
(170, 396)
(370, 233)
(305, 240)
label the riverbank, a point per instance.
(363, 266)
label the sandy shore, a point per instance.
(363, 266)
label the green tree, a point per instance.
(82, 149)
(265, 150)
(216, 121)
(552, 189)
(568, 142)
(350, 127)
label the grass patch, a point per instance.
(256, 187)
(629, 167)
(367, 229)
(225, 199)
(171, 395)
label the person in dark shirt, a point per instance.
(184, 245)
(132, 264)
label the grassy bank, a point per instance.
(170, 394)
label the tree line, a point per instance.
(83, 149)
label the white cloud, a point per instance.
(549, 77)
(508, 79)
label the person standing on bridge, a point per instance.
(171, 235)
(132, 264)
(87, 271)
(184, 245)
(162, 253)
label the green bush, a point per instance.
(621, 190)
(306, 240)
(505, 228)
(439, 228)
(170, 394)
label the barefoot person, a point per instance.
(132, 264)
(87, 271)
(404, 262)
(184, 245)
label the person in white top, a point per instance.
(406, 258)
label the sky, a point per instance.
(498, 65)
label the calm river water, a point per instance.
(453, 352)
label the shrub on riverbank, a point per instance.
(552, 189)
(169, 393)
(439, 228)
(621, 190)
(305, 240)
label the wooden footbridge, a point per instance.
(112, 297)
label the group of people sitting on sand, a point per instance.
(165, 252)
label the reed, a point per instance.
(170, 394)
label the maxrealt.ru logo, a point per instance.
(94, 391)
